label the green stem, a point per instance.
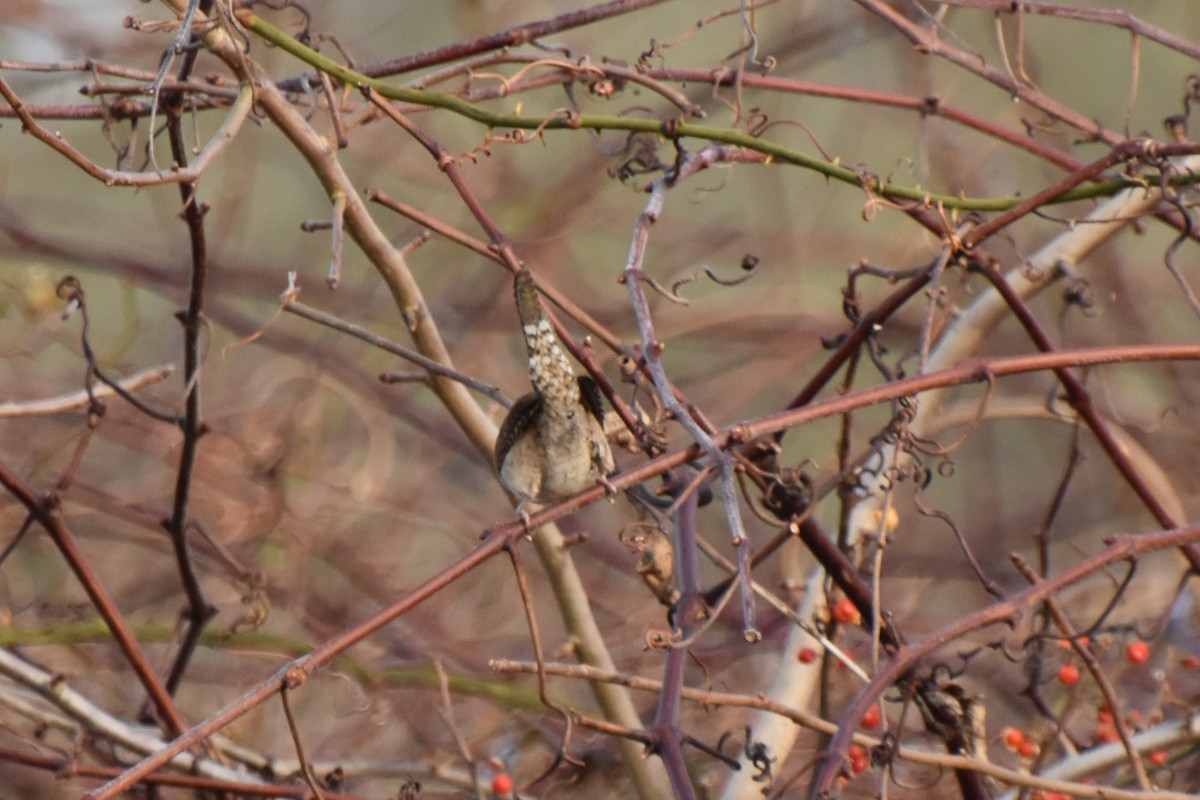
(675, 128)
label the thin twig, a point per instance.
(81, 398)
(177, 174)
(305, 767)
(358, 332)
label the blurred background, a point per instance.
(321, 494)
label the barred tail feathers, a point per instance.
(549, 369)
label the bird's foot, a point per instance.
(610, 491)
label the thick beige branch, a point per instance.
(647, 775)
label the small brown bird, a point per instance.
(552, 443)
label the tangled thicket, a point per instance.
(892, 303)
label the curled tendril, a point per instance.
(1079, 293)
(749, 263)
(757, 753)
(305, 34)
(757, 122)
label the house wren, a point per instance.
(552, 443)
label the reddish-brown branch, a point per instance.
(1006, 612)
(504, 252)
(200, 610)
(298, 671)
(1126, 151)
(1081, 401)
(496, 538)
(511, 37)
(178, 173)
(64, 768)
(971, 371)
(927, 40)
(1106, 16)
(569, 306)
(49, 519)
(930, 105)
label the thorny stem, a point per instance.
(1006, 612)
(192, 319)
(724, 440)
(651, 350)
(670, 129)
(496, 538)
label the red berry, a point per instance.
(1027, 749)
(860, 761)
(1137, 652)
(502, 783)
(1068, 675)
(870, 720)
(807, 655)
(1158, 758)
(1104, 716)
(845, 612)
(1190, 662)
(1107, 734)
(1013, 738)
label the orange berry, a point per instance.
(870, 720)
(1137, 652)
(806, 655)
(1107, 734)
(502, 783)
(845, 612)
(1068, 675)
(1027, 749)
(1104, 716)
(1013, 738)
